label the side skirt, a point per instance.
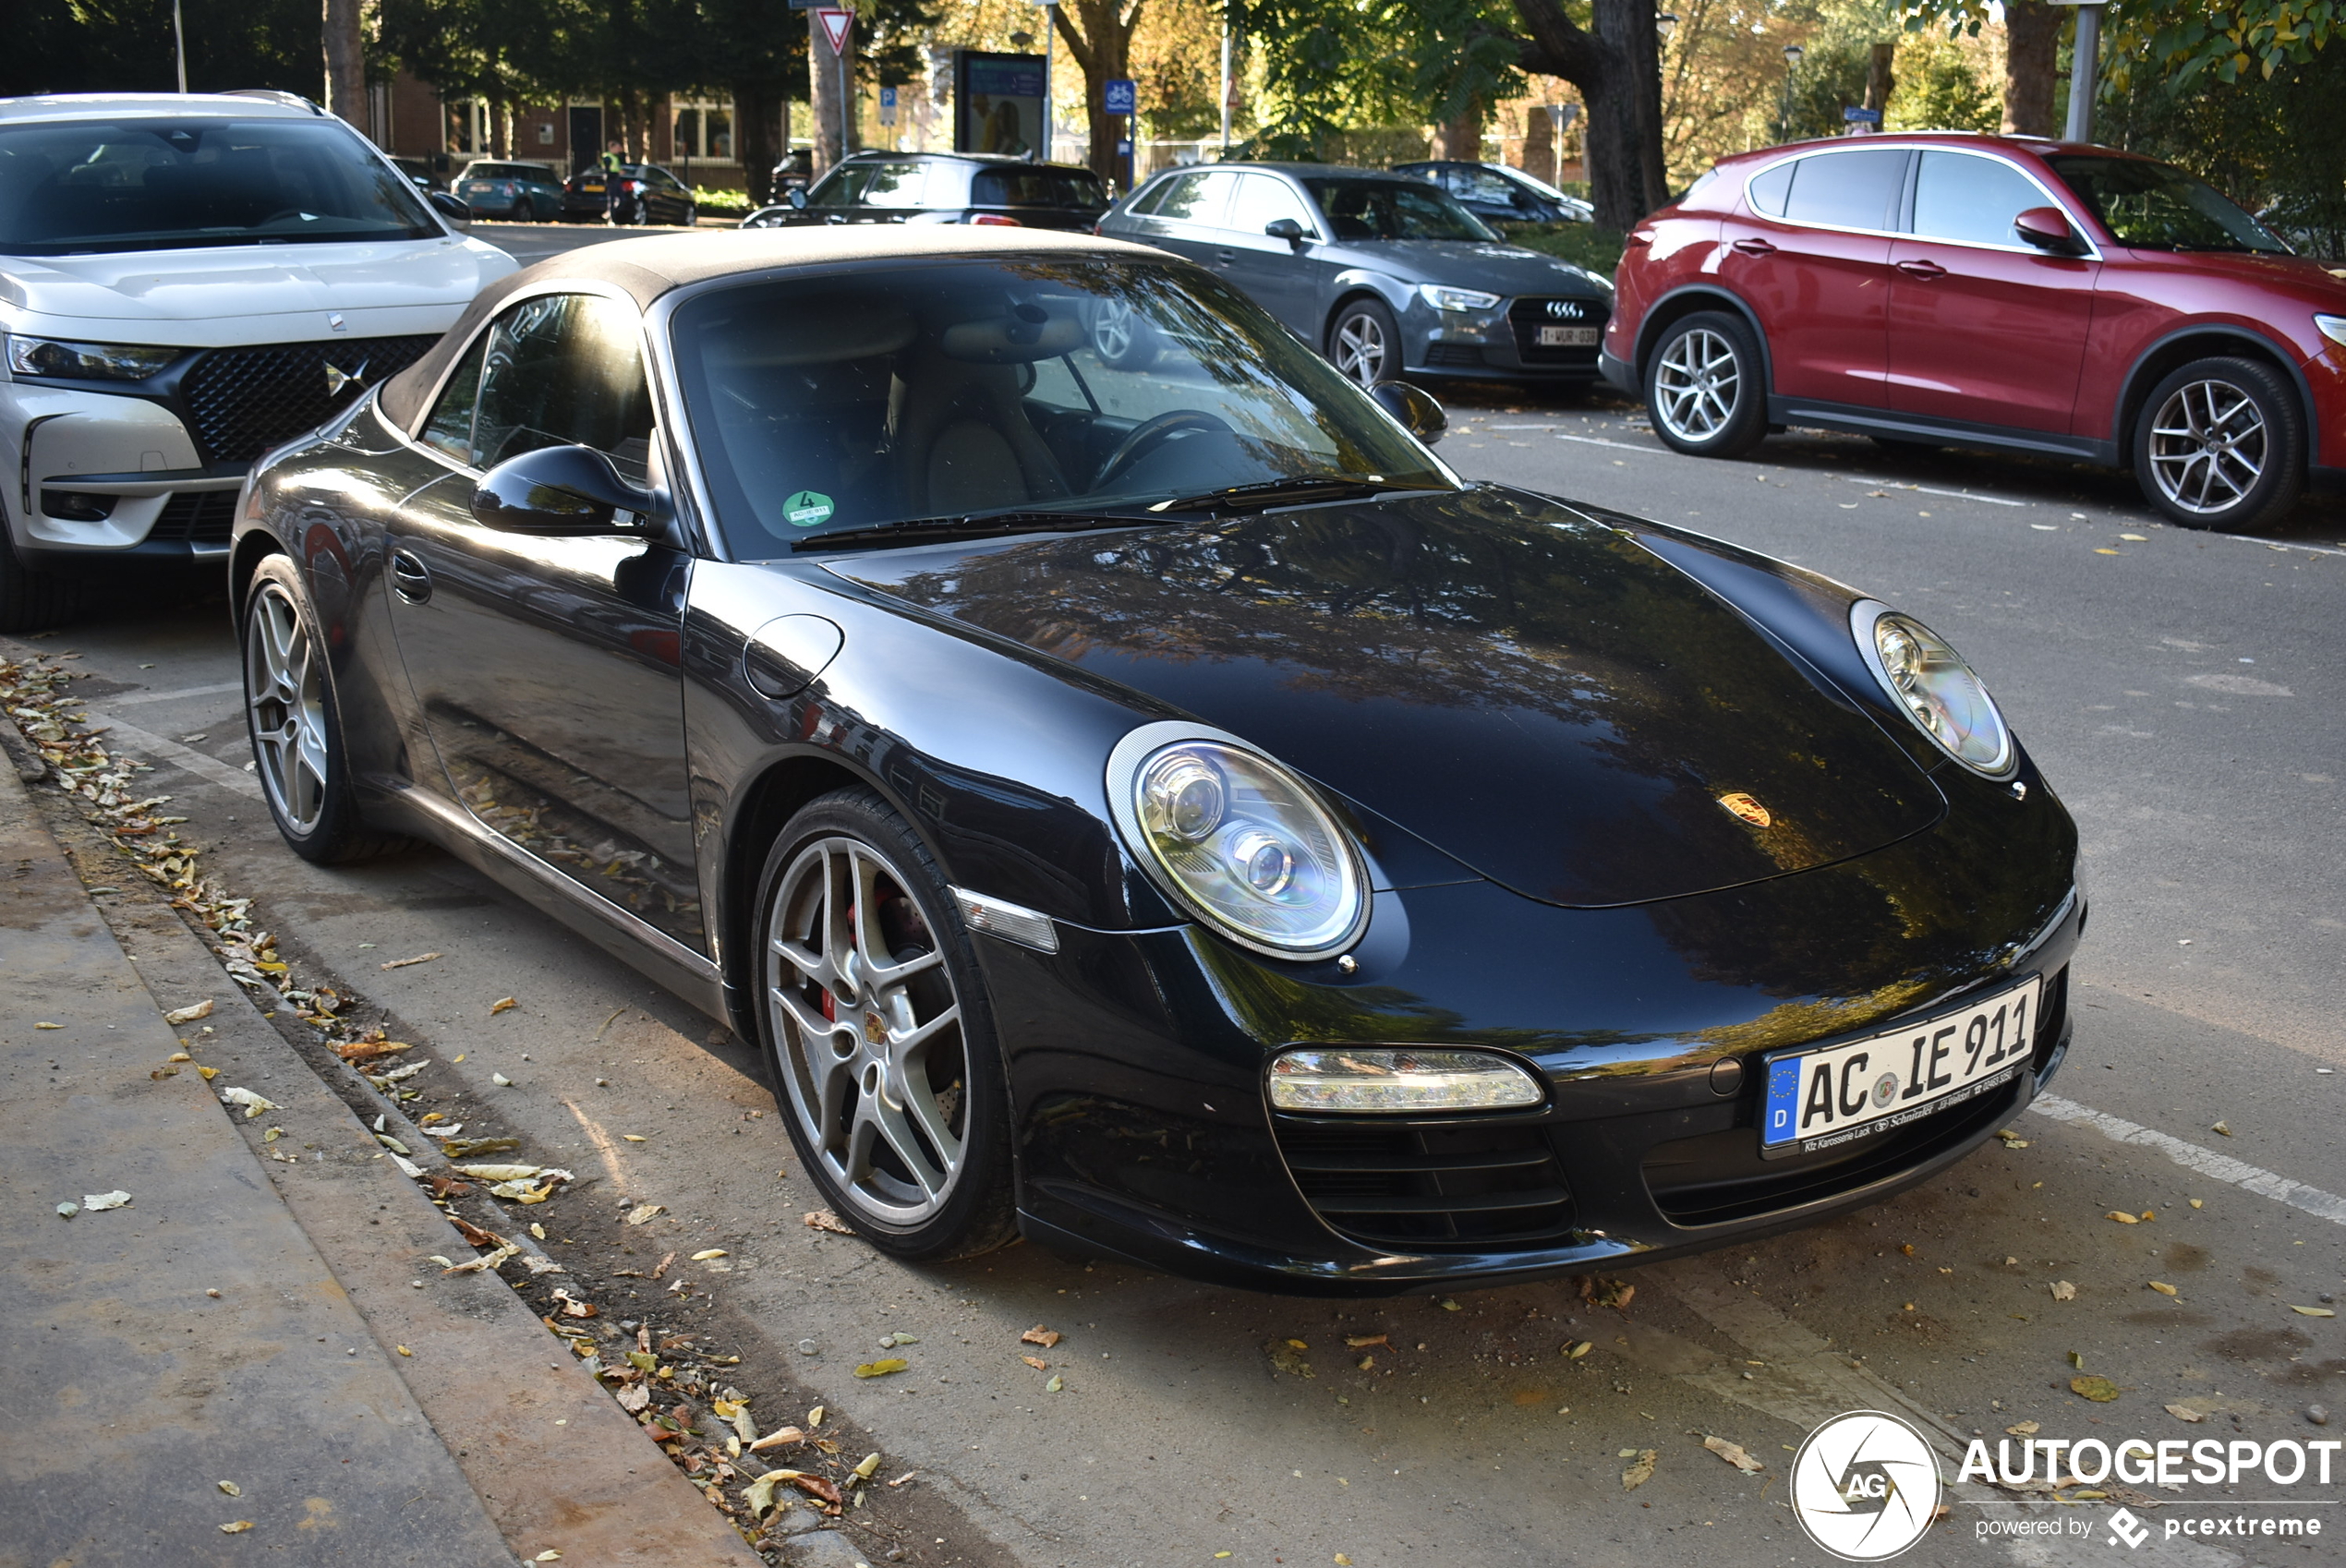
(1783, 410)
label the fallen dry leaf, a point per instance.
(642, 1213)
(209, 1073)
(2062, 1290)
(2198, 1203)
(503, 1005)
(236, 1529)
(817, 1487)
(231, 1488)
(1287, 1356)
(254, 1104)
(823, 1219)
(634, 1398)
(2012, 1139)
(190, 1014)
(706, 1253)
(1733, 1453)
(500, 1081)
(2101, 1390)
(1578, 1348)
(418, 959)
(1036, 1362)
(2312, 1311)
(1599, 1292)
(1641, 1470)
(487, 1261)
(633, 1138)
(1056, 1384)
(99, 1202)
(1040, 1335)
(893, 1364)
(2162, 1287)
(1362, 1341)
(2123, 1217)
(776, 1438)
(368, 1050)
(2185, 1412)
(2220, 1127)
(659, 1271)
(2024, 1429)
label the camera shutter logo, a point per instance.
(1865, 1486)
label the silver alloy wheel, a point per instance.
(1360, 348)
(867, 1024)
(286, 704)
(2208, 447)
(1697, 385)
(1113, 330)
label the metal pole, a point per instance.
(1051, 24)
(1226, 84)
(2084, 73)
(845, 109)
(179, 42)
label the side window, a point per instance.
(1769, 189)
(1974, 200)
(1484, 186)
(449, 431)
(1148, 199)
(1262, 200)
(840, 188)
(1848, 190)
(896, 184)
(565, 370)
(1196, 199)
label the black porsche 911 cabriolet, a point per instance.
(1161, 811)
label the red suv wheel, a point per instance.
(1705, 391)
(2220, 444)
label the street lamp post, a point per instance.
(2085, 69)
(1792, 54)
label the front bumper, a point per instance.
(1138, 1063)
(1501, 344)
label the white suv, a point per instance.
(187, 280)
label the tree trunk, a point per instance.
(346, 63)
(1460, 136)
(501, 128)
(1098, 33)
(832, 142)
(753, 138)
(1881, 77)
(1616, 63)
(1539, 143)
(2032, 66)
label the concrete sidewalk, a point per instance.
(193, 1337)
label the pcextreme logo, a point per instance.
(1865, 1486)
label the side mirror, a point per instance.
(2047, 228)
(563, 492)
(1287, 229)
(1414, 407)
(450, 208)
(796, 196)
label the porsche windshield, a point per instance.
(849, 401)
(73, 186)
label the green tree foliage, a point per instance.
(1331, 67)
(126, 45)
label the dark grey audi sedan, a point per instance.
(1387, 275)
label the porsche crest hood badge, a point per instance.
(1740, 805)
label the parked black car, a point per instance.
(649, 194)
(1166, 814)
(942, 187)
(1384, 273)
(1498, 194)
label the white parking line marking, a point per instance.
(1927, 491)
(1617, 446)
(194, 762)
(2269, 544)
(128, 698)
(2206, 1161)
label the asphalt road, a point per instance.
(2174, 686)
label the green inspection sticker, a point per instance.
(807, 507)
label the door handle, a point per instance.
(1225, 256)
(409, 577)
(1754, 248)
(1923, 269)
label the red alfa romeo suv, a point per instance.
(2003, 293)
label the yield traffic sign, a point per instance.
(836, 25)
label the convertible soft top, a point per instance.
(648, 268)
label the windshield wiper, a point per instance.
(1295, 489)
(974, 525)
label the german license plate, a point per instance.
(1821, 1099)
(1569, 337)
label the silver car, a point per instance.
(1386, 274)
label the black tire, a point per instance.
(1364, 342)
(318, 817)
(1706, 393)
(692, 215)
(919, 1205)
(2220, 443)
(30, 600)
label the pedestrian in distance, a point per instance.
(613, 155)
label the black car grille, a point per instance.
(198, 517)
(1484, 1187)
(1528, 316)
(241, 402)
(1717, 1178)
(1460, 355)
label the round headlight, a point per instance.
(1238, 840)
(1935, 688)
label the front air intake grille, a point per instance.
(196, 517)
(1485, 1187)
(241, 402)
(1460, 355)
(1528, 316)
